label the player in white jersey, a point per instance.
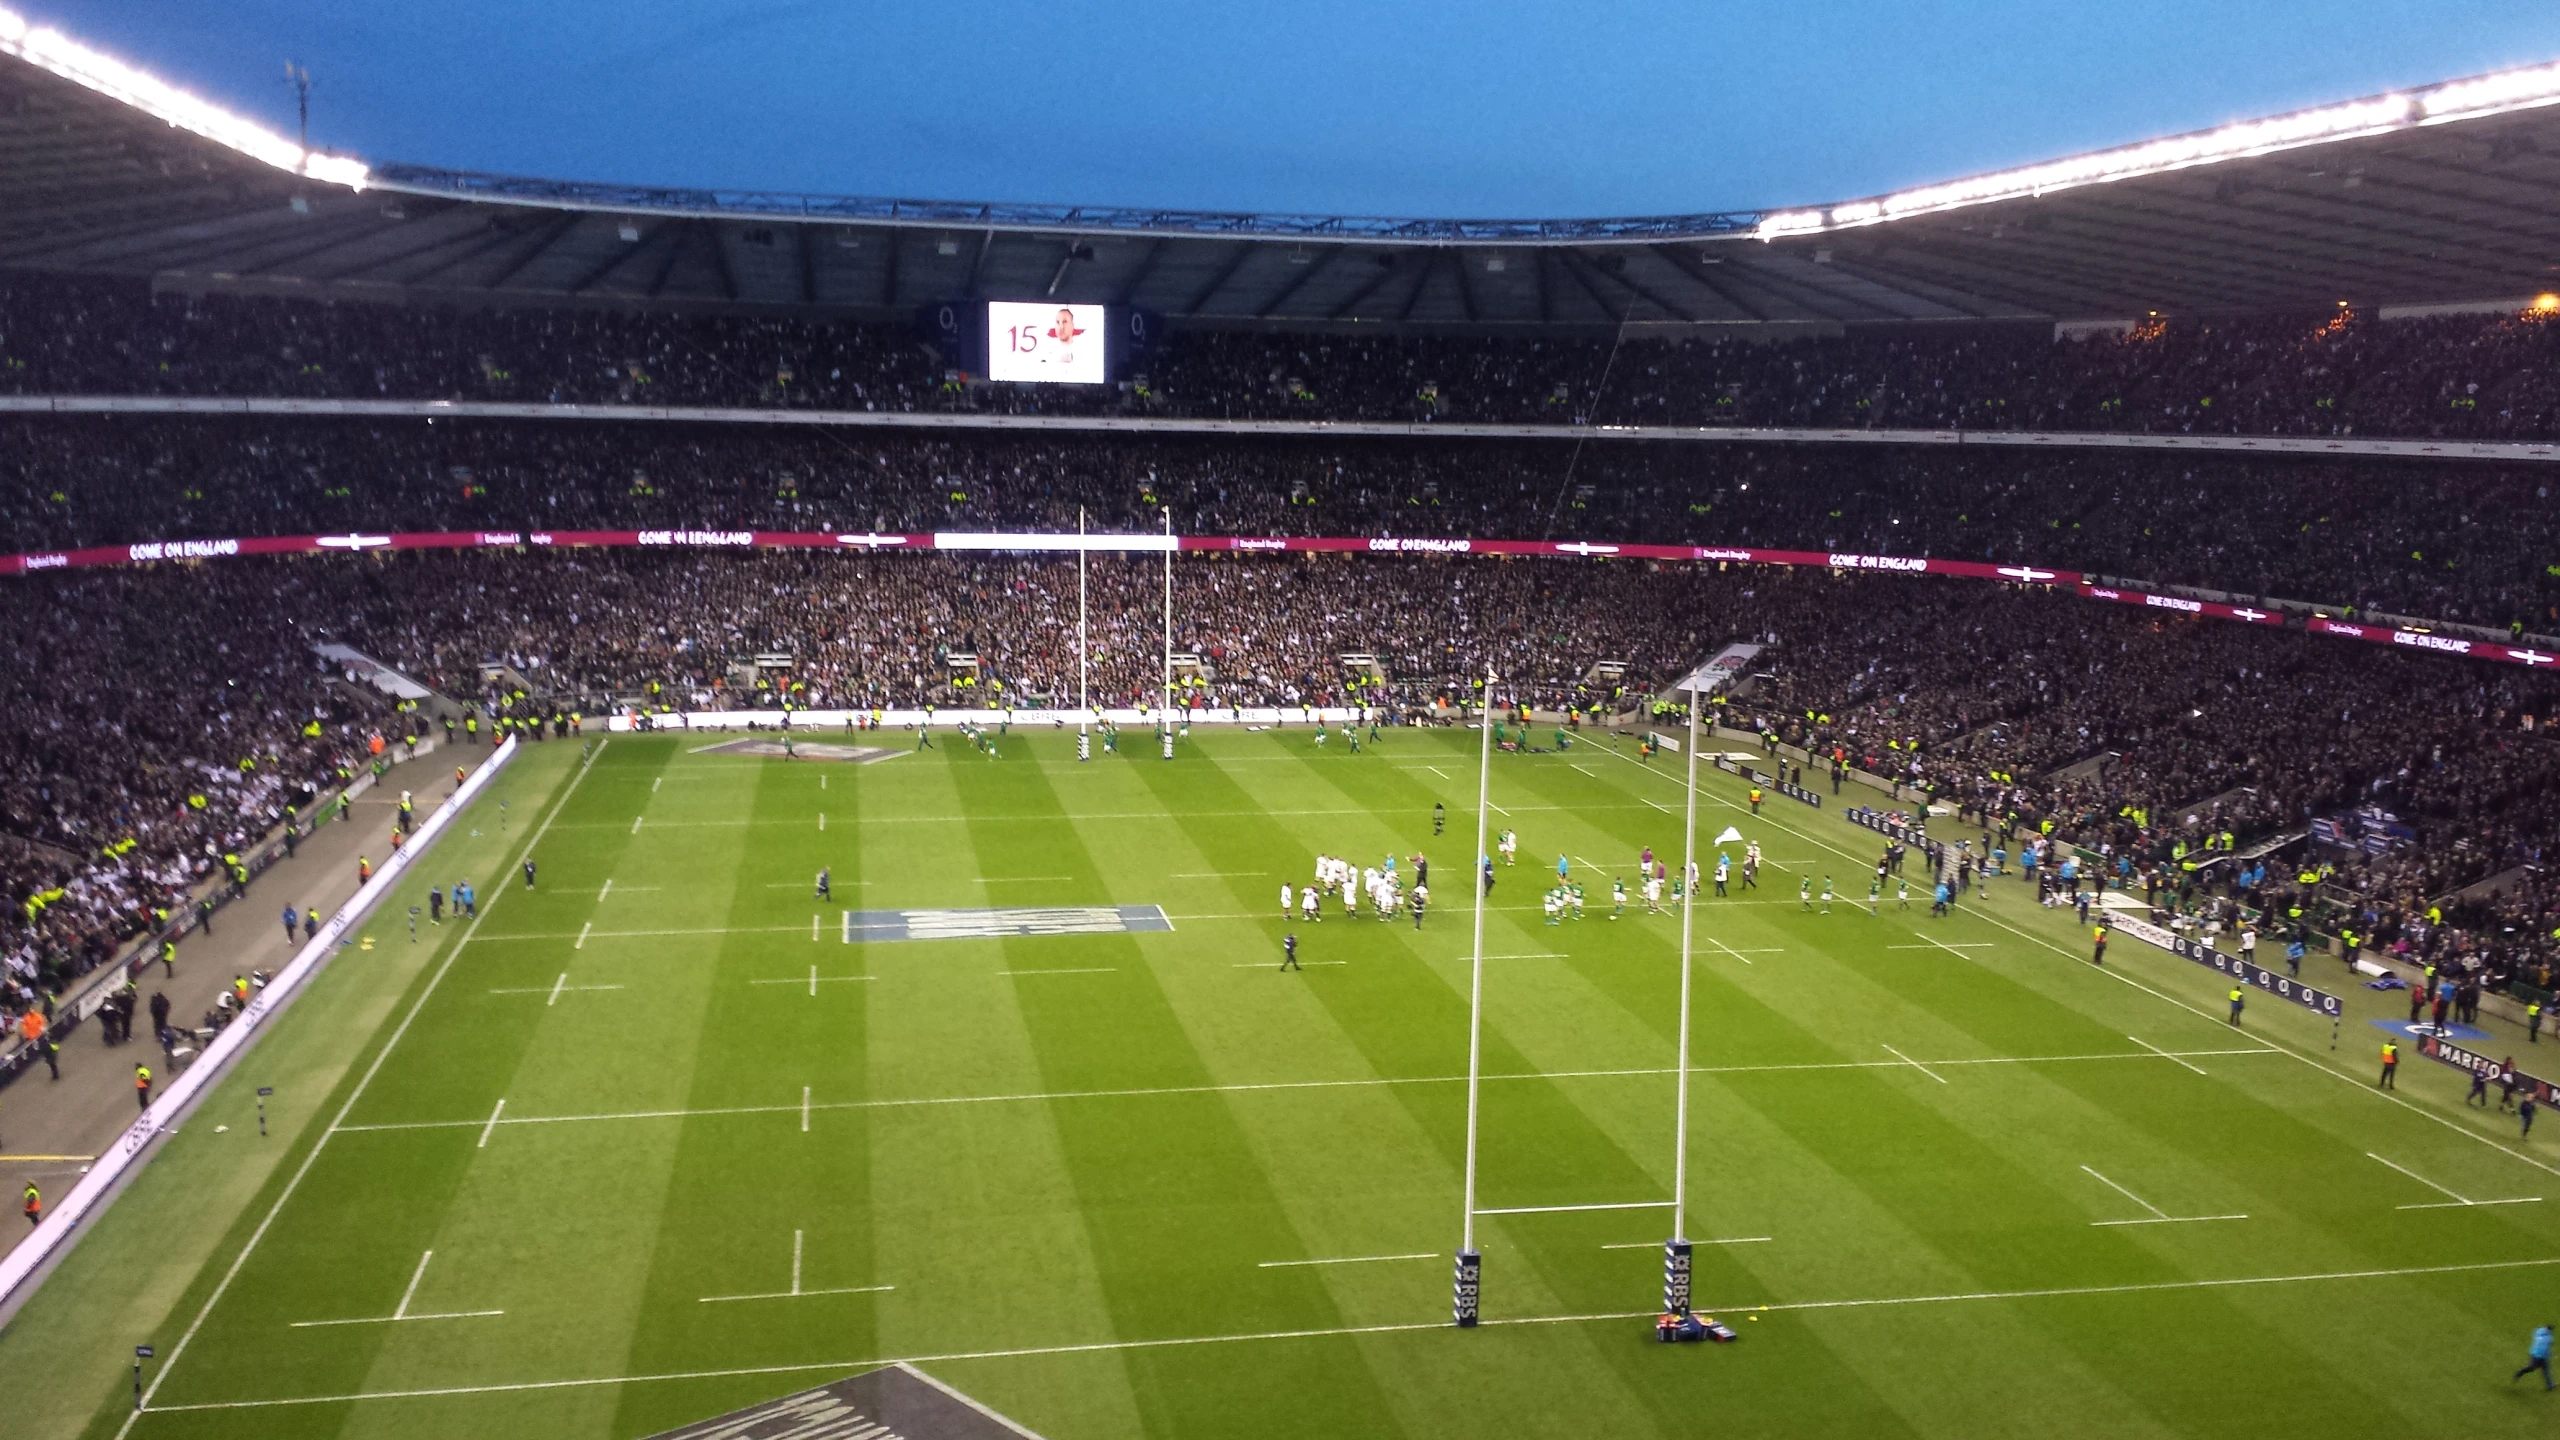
(1288, 901)
(1308, 902)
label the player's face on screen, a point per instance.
(1065, 331)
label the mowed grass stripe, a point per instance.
(969, 1205)
(1179, 1212)
(551, 1231)
(738, 1193)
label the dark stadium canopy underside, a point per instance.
(2450, 213)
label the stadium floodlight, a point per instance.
(2464, 99)
(2488, 94)
(94, 70)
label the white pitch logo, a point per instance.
(2023, 573)
(353, 542)
(1578, 547)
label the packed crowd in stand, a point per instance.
(158, 726)
(2472, 375)
(1990, 697)
(2462, 542)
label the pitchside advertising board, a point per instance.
(1883, 823)
(2446, 1052)
(1768, 782)
(2283, 987)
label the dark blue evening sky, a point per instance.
(1489, 108)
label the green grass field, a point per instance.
(1094, 1180)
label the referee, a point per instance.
(1289, 951)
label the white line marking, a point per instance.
(1657, 1244)
(848, 927)
(1021, 879)
(1585, 769)
(1347, 1260)
(492, 1127)
(821, 979)
(795, 1292)
(2129, 1195)
(1943, 945)
(822, 822)
(1916, 1065)
(1268, 965)
(1088, 970)
(1665, 809)
(822, 779)
(813, 982)
(2156, 1050)
(388, 1319)
(654, 784)
(1729, 950)
(312, 1156)
(582, 935)
(1405, 1327)
(802, 1294)
(1436, 770)
(2158, 1216)
(635, 824)
(556, 987)
(804, 1109)
(2452, 1201)
(1523, 955)
(548, 989)
(402, 1313)
(1559, 1209)
(607, 890)
(2421, 1179)
(1222, 875)
(1047, 1097)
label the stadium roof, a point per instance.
(2443, 195)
